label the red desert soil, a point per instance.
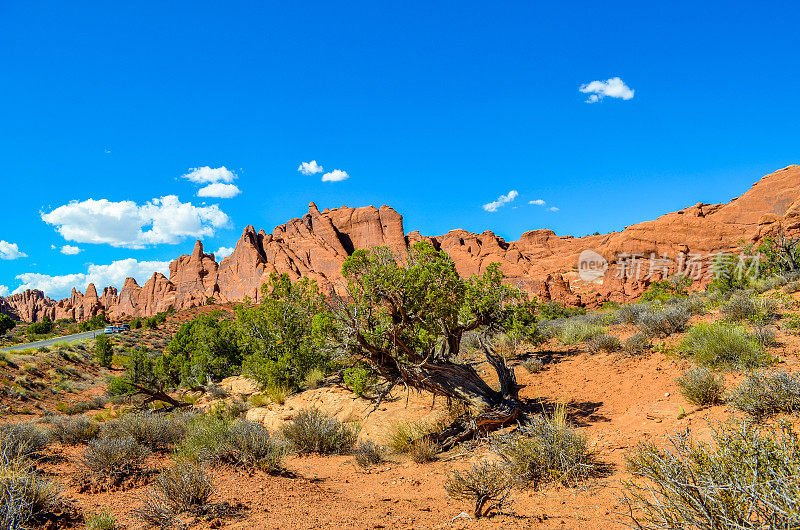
(618, 402)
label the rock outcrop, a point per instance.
(541, 262)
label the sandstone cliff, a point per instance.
(541, 262)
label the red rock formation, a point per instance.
(541, 262)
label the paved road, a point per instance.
(49, 342)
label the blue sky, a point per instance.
(433, 108)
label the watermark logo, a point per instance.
(591, 266)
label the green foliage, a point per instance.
(314, 431)
(402, 435)
(604, 343)
(201, 348)
(762, 394)
(158, 432)
(139, 367)
(103, 520)
(701, 387)
(103, 351)
(552, 310)
(285, 337)
(96, 322)
(724, 345)
(747, 307)
(745, 479)
(732, 272)
(42, 328)
(665, 321)
(674, 287)
(6, 324)
(360, 378)
(574, 330)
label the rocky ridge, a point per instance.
(541, 262)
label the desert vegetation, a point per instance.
(171, 429)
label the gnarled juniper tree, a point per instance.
(407, 318)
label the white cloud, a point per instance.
(537, 202)
(219, 190)
(501, 201)
(69, 250)
(3, 290)
(613, 88)
(310, 168)
(553, 209)
(223, 252)
(113, 274)
(128, 224)
(337, 175)
(207, 175)
(10, 251)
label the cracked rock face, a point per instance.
(541, 262)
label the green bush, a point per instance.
(360, 378)
(745, 479)
(573, 330)
(746, 307)
(484, 483)
(249, 445)
(664, 290)
(701, 387)
(547, 449)
(723, 345)
(6, 324)
(762, 394)
(664, 322)
(42, 328)
(315, 431)
(103, 351)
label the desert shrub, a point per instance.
(701, 386)
(636, 344)
(205, 439)
(80, 407)
(25, 497)
(746, 307)
(546, 449)
(604, 343)
(183, 488)
(765, 336)
(277, 392)
(74, 430)
(571, 330)
(424, 450)
(533, 365)
(484, 483)
(764, 393)
(315, 431)
(746, 479)
(791, 287)
(20, 441)
(669, 289)
(100, 521)
(629, 313)
(664, 322)
(360, 378)
(156, 431)
(314, 378)
(552, 310)
(248, 444)
(108, 461)
(368, 453)
(240, 443)
(103, 351)
(402, 435)
(723, 345)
